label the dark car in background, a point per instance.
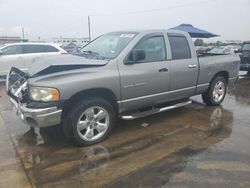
(71, 48)
(245, 57)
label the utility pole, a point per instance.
(23, 32)
(89, 28)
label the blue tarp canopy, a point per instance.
(194, 32)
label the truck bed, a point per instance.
(209, 66)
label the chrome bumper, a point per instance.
(41, 117)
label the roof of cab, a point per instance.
(148, 31)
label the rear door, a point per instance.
(146, 82)
(183, 67)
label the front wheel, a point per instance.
(89, 121)
(216, 91)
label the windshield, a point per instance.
(109, 45)
(246, 47)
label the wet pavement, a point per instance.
(193, 146)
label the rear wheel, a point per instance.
(216, 91)
(89, 121)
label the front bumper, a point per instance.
(37, 117)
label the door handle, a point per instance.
(163, 70)
(192, 66)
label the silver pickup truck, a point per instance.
(127, 74)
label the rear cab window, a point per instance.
(179, 46)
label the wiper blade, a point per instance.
(96, 54)
(90, 52)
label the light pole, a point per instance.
(89, 28)
(23, 32)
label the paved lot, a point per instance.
(193, 146)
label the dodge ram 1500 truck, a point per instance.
(127, 74)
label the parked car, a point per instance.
(222, 50)
(245, 57)
(70, 47)
(21, 55)
(120, 74)
(201, 50)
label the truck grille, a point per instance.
(16, 85)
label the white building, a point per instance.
(66, 41)
(6, 39)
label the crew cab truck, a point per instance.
(127, 74)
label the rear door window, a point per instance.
(179, 47)
(38, 49)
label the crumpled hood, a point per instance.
(64, 62)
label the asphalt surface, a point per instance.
(193, 146)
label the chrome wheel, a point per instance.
(93, 123)
(219, 91)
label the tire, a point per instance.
(89, 121)
(216, 91)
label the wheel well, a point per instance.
(222, 73)
(98, 92)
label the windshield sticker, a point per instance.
(127, 35)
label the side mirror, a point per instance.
(136, 55)
(1, 53)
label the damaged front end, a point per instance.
(18, 91)
(16, 85)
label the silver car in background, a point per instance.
(21, 55)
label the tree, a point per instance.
(198, 42)
(218, 43)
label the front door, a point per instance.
(146, 82)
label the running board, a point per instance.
(154, 111)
